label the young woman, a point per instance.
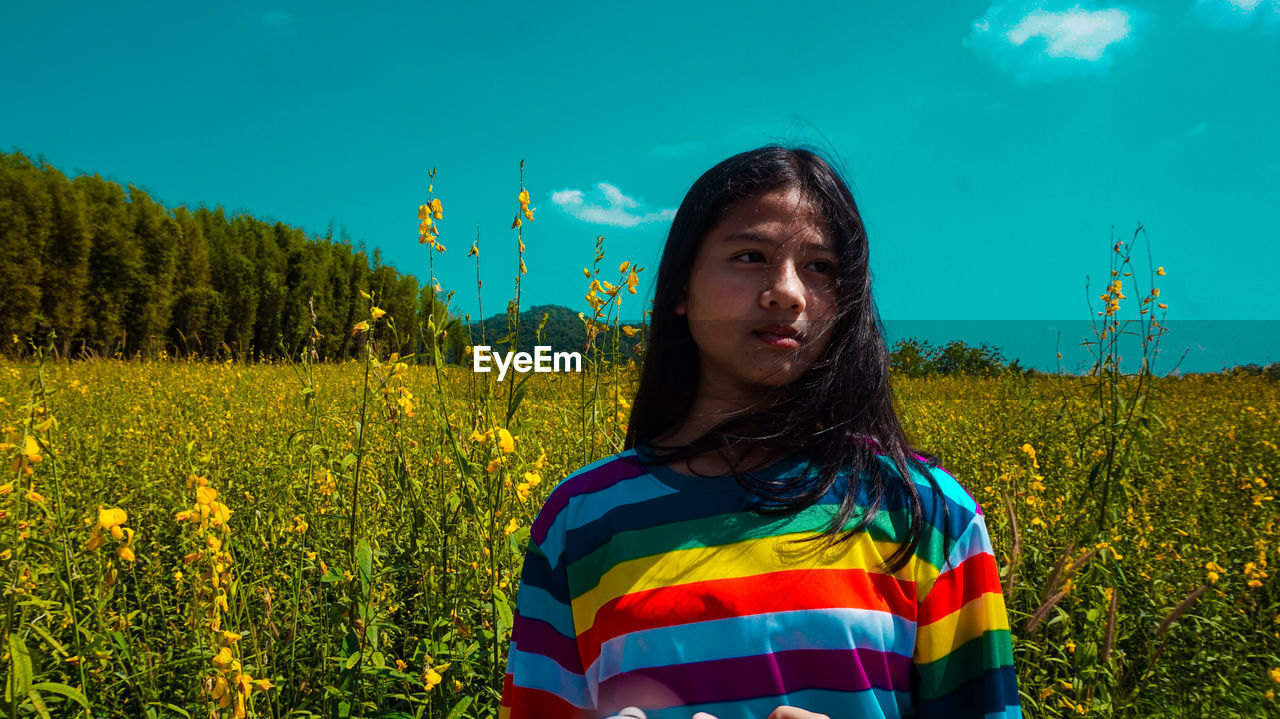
(769, 543)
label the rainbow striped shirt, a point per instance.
(645, 587)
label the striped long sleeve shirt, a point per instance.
(645, 587)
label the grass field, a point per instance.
(199, 539)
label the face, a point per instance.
(761, 296)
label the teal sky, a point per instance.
(992, 146)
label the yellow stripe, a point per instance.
(983, 613)
(747, 558)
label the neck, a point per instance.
(706, 412)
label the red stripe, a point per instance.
(527, 703)
(741, 596)
(974, 577)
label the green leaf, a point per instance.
(73, 694)
(505, 619)
(458, 708)
(37, 701)
(48, 638)
(176, 709)
(20, 669)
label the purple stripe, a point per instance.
(741, 678)
(542, 638)
(602, 477)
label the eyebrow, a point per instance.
(758, 237)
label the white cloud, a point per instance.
(1036, 43)
(1237, 13)
(607, 205)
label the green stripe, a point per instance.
(722, 529)
(978, 655)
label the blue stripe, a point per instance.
(869, 704)
(635, 504)
(535, 603)
(534, 671)
(839, 628)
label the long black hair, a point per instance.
(841, 411)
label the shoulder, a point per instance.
(945, 503)
(604, 481)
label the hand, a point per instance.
(779, 713)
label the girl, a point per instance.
(756, 550)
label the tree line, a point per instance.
(114, 273)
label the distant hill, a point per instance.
(563, 332)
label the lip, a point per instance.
(779, 335)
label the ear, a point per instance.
(682, 305)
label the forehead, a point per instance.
(778, 215)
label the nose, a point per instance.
(783, 287)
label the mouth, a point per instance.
(779, 335)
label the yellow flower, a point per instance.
(505, 441)
(431, 679)
(473, 251)
(586, 273)
(512, 526)
(31, 450)
(515, 224)
(359, 327)
(423, 212)
(206, 495)
(528, 213)
(532, 478)
(35, 497)
(222, 659)
(524, 197)
(523, 269)
(629, 331)
(623, 267)
(377, 313)
(1213, 576)
(111, 518)
(1162, 305)
(1159, 270)
(126, 554)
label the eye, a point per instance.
(826, 268)
(755, 253)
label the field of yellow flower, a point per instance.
(196, 539)
(209, 539)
